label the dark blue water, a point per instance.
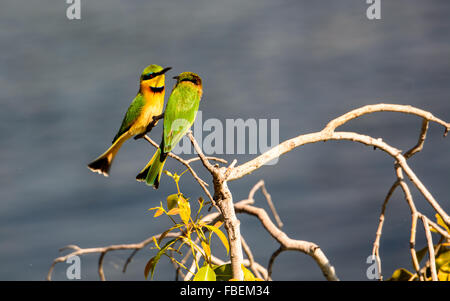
(65, 85)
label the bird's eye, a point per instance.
(148, 76)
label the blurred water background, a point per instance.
(65, 85)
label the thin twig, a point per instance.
(430, 249)
(79, 251)
(412, 243)
(271, 205)
(100, 266)
(191, 271)
(272, 260)
(438, 228)
(250, 257)
(202, 183)
(228, 170)
(419, 146)
(415, 149)
(376, 244)
(287, 243)
(251, 200)
(202, 157)
(208, 219)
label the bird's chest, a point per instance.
(153, 106)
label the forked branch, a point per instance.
(223, 199)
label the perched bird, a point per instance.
(179, 115)
(148, 103)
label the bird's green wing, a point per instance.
(132, 114)
(179, 115)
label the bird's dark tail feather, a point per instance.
(101, 165)
(143, 174)
(155, 168)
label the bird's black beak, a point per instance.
(175, 77)
(165, 70)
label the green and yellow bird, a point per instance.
(149, 102)
(180, 113)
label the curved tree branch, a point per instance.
(326, 134)
(223, 199)
(287, 243)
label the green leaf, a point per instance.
(441, 222)
(443, 264)
(207, 249)
(400, 275)
(443, 276)
(223, 272)
(151, 264)
(172, 201)
(185, 209)
(168, 173)
(158, 212)
(200, 207)
(220, 234)
(421, 254)
(442, 258)
(206, 273)
(164, 234)
(174, 211)
(156, 243)
(445, 268)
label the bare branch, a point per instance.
(326, 134)
(272, 259)
(202, 157)
(271, 206)
(412, 243)
(100, 266)
(223, 200)
(400, 181)
(376, 244)
(437, 228)
(129, 259)
(418, 147)
(104, 250)
(228, 170)
(382, 107)
(191, 160)
(430, 249)
(249, 254)
(290, 244)
(251, 200)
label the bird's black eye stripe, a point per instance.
(149, 76)
(153, 74)
(192, 80)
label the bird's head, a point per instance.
(153, 76)
(189, 77)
